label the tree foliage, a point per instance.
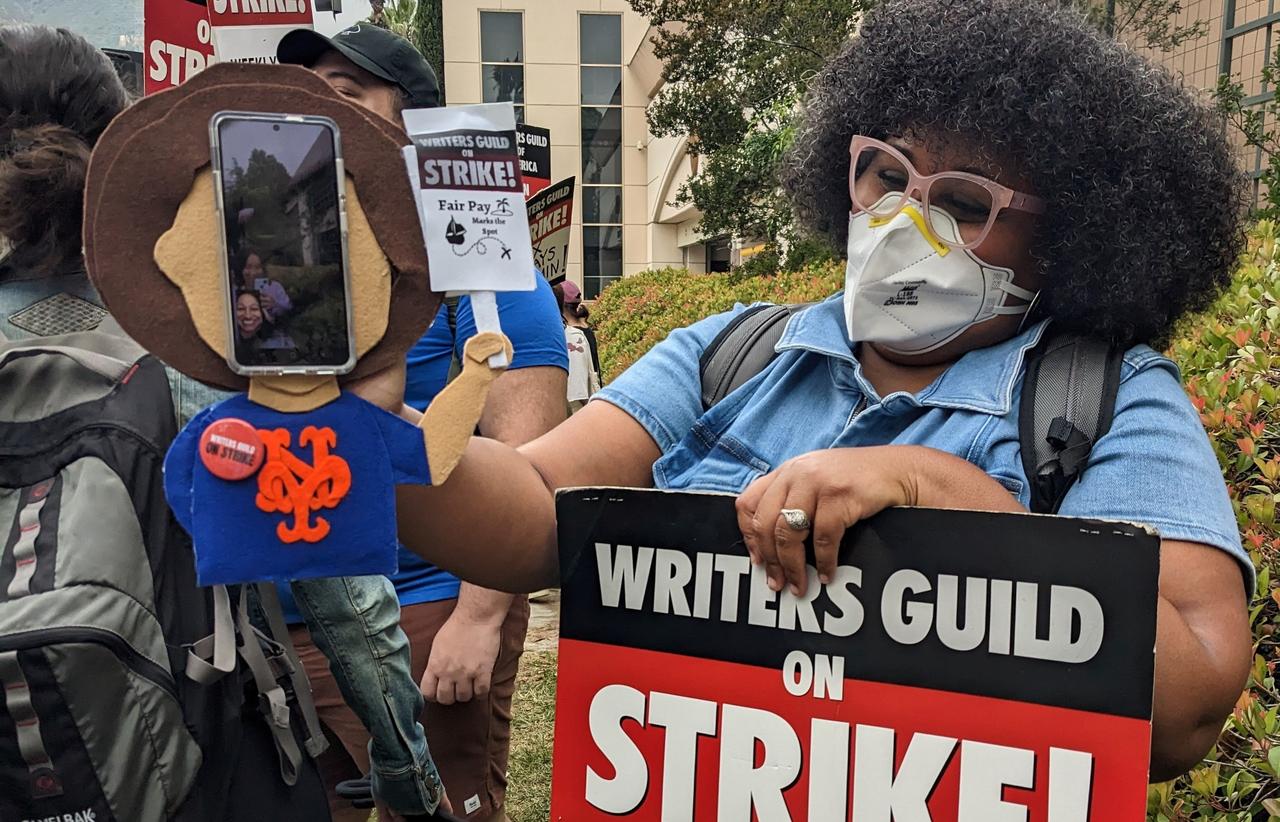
(1258, 123)
(427, 35)
(1150, 23)
(735, 71)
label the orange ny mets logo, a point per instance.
(289, 485)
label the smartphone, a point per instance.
(282, 216)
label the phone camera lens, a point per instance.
(275, 128)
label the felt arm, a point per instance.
(451, 419)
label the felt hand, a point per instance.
(450, 420)
(481, 347)
(834, 488)
(460, 666)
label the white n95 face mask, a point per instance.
(909, 293)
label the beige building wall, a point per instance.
(651, 230)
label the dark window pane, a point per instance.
(601, 86)
(601, 204)
(601, 252)
(601, 39)
(501, 37)
(592, 286)
(502, 84)
(601, 145)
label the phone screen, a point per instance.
(284, 244)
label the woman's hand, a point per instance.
(840, 486)
(834, 488)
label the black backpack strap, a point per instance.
(1068, 401)
(742, 350)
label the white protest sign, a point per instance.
(465, 169)
(248, 31)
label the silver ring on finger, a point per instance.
(796, 519)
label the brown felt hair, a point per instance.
(146, 163)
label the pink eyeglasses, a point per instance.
(878, 170)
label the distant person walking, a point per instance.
(584, 375)
(576, 315)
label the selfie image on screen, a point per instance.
(284, 244)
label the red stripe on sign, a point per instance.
(260, 12)
(22, 562)
(637, 730)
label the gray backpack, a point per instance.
(129, 693)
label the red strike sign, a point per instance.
(968, 678)
(179, 43)
(665, 738)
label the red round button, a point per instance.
(231, 449)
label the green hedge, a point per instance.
(1230, 360)
(636, 313)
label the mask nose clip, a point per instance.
(921, 225)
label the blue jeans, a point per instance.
(355, 622)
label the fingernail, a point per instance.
(795, 590)
(825, 579)
(774, 585)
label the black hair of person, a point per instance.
(57, 95)
(1145, 201)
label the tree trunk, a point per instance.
(1109, 18)
(427, 35)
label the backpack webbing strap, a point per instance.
(213, 657)
(269, 599)
(274, 702)
(1068, 401)
(17, 700)
(741, 350)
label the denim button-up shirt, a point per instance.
(1155, 466)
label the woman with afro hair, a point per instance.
(994, 169)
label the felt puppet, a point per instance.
(293, 477)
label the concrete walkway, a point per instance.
(544, 623)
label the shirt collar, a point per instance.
(982, 380)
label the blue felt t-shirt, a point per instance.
(236, 540)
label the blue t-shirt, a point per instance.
(531, 320)
(343, 460)
(1154, 466)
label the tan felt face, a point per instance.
(188, 254)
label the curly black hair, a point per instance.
(1145, 200)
